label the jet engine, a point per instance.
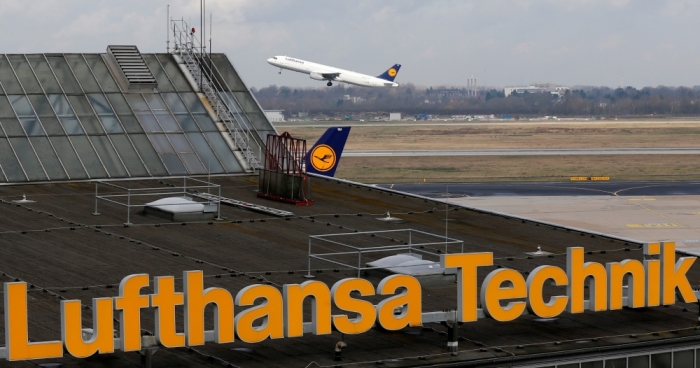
(316, 76)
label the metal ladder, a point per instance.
(185, 48)
(241, 204)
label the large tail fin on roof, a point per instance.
(391, 73)
(325, 154)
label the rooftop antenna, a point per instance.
(167, 30)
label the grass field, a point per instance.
(628, 134)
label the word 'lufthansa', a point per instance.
(275, 314)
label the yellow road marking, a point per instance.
(651, 226)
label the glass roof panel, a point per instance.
(25, 74)
(63, 74)
(111, 124)
(192, 163)
(41, 105)
(119, 103)
(52, 126)
(137, 102)
(26, 156)
(7, 77)
(187, 122)
(167, 121)
(109, 156)
(161, 143)
(8, 120)
(180, 143)
(174, 102)
(173, 163)
(164, 84)
(83, 73)
(148, 121)
(99, 69)
(10, 164)
(228, 99)
(224, 152)
(205, 123)
(60, 105)
(12, 127)
(100, 104)
(148, 154)
(155, 101)
(205, 153)
(32, 126)
(192, 102)
(48, 158)
(88, 157)
(130, 123)
(71, 125)
(174, 73)
(44, 73)
(21, 105)
(129, 156)
(69, 158)
(87, 117)
(224, 66)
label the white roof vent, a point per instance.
(177, 205)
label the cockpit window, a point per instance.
(274, 57)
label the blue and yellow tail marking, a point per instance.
(324, 156)
(391, 73)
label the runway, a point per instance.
(557, 189)
(523, 152)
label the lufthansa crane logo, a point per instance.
(323, 158)
(392, 72)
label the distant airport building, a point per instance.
(394, 116)
(274, 116)
(537, 88)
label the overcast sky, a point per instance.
(440, 42)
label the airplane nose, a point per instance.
(270, 60)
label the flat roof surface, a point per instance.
(59, 247)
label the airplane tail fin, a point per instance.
(391, 73)
(324, 155)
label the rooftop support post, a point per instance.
(128, 208)
(308, 272)
(452, 336)
(96, 213)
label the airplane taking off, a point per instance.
(330, 74)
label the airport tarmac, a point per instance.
(639, 211)
(638, 218)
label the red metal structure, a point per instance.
(283, 177)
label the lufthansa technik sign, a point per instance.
(272, 313)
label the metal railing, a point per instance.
(410, 246)
(123, 196)
(203, 73)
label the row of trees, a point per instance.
(410, 99)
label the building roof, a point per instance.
(56, 245)
(66, 117)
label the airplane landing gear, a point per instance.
(280, 72)
(329, 84)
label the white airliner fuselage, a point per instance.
(328, 73)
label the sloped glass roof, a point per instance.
(64, 117)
